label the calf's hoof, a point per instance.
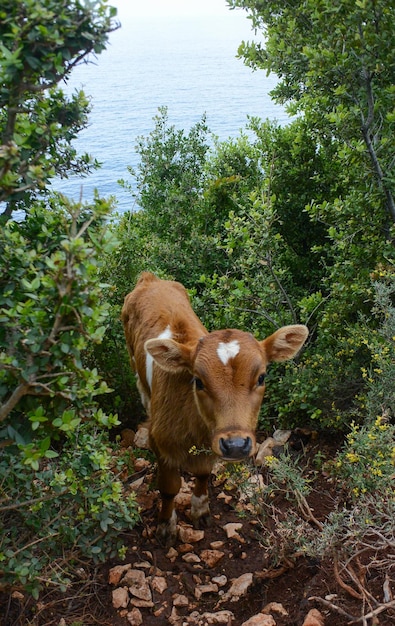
(200, 511)
(166, 532)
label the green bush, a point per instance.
(50, 310)
(41, 42)
(265, 231)
(71, 510)
(61, 499)
(366, 464)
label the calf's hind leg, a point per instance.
(169, 483)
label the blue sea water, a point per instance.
(187, 64)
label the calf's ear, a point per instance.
(285, 342)
(169, 355)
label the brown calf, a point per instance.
(202, 391)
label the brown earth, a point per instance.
(279, 573)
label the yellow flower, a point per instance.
(352, 457)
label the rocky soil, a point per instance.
(237, 572)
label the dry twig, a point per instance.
(343, 585)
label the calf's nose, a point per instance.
(235, 448)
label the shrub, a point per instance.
(71, 510)
(60, 496)
(366, 463)
(50, 310)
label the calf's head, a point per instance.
(228, 369)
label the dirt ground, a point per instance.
(210, 562)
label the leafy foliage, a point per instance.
(255, 254)
(366, 464)
(55, 461)
(36, 507)
(41, 42)
(170, 179)
(50, 310)
(336, 65)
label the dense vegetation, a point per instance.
(60, 494)
(281, 225)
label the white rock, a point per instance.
(147, 604)
(190, 557)
(143, 564)
(281, 436)
(134, 617)
(183, 498)
(202, 589)
(133, 577)
(211, 557)
(220, 580)
(265, 449)
(136, 484)
(185, 547)
(260, 620)
(221, 617)
(252, 487)
(17, 595)
(274, 607)
(239, 587)
(115, 574)
(172, 554)
(231, 530)
(161, 610)
(159, 584)
(149, 555)
(141, 591)
(120, 598)
(175, 619)
(141, 438)
(179, 600)
(187, 534)
(140, 464)
(226, 497)
(314, 618)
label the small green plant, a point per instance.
(366, 463)
(286, 477)
(235, 476)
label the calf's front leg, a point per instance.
(169, 483)
(200, 510)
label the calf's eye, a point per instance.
(261, 380)
(198, 383)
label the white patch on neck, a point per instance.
(228, 351)
(149, 361)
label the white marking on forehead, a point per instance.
(228, 351)
(149, 361)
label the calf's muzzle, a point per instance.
(235, 448)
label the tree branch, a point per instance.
(13, 400)
(367, 136)
(281, 288)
